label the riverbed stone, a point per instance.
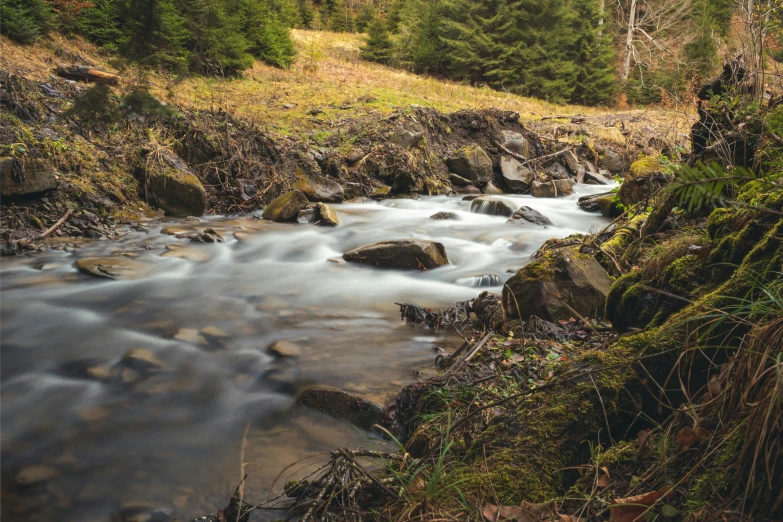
(571, 161)
(645, 177)
(32, 177)
(491, 189)
(467, 189)
(472, 163)
(142, 359)
(32, 475)
(317, 188)
(492, 206)
(307, 215)
(404, 254)
(559, 285)
(117, 267)
(516, 177)
(529, 215)
(516, 142)
(552, 189)
(445, 215)
(284, 348)
(341, 405)
(171, 186)
(614, 162)
(285, 207)
(360, 199)
(327, 215)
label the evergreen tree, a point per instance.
(23, 21)
(218, 43)
(365, 17)
(268, 38)
(395, 14)
(378, 47)
(154, 34)
(592, 53)
(306, 14)
(340, 18)
(428, 52)
(101, 23)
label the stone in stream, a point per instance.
(445, 215)
(471, 163)
(571, 161)
(561, 284)
(326, 215)
(516, 177)
(284, 348)
(34, 177)
(405, 254)
(360, 199)
(144, 360)
(171, 185)
(467, 189)
(529, 215)
(32, 475)
(118, 267)
(491, 206)
(317, 188)
(552, 189)
(341, 405)
(491, 189)
(307, 215)
(285, 207)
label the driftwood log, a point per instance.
(87, 74)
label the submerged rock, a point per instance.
(445, 215)
(471, 163)
(341, 405)
(529, 215)
(326, 215)
(112, 267)
(552, 189)
(491, 206)
(561, 284)
(171, 185)
(406, 254)
(34, 177)
(285, 207)
(360, 199)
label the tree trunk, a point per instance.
(629, 42)
(601, 11)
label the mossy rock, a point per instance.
(609, 206)
(644, 178)
(561, 284)
(285, 207)
(326, 215)
(472, 163)
(34, 177)
(317, 188)
(171, 186)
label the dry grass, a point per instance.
(328, 82)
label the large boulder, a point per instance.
(529, 215)
(516, 177)
(491, 206)
(471, 163)
(317, 188)
(34, 177)
(327, 216)
(605, 202)
(614, 162)
(562, 283)
(571, 161)
(644, 178)
(516, 142)
(171, 186)
(341, 405)
(552, 189)
(285, 207)
(406, 254)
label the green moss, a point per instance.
(645, 166)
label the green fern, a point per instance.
(712, 185)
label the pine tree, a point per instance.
(365, 17)
(23, 21)
(219, 46)
(427, 52)
(154, 34)
(378, 47)
(306, 14)
(341, 20)
(468, 37)
(268, 38)
(596, 79)
(101, 23)
(394, 15)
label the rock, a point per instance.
(34, 177)
(405, 138)
(445, 215)
(644, 178)
(190, 335)
(120, 268)
(552, 189)
(285, 207)
(609, 206)
(171, 186)
(380, 192)
(614, 162)
(529, 215)
(341, 405)
(557, 171)
(406, 254)
(488, 310)
(467, 189)
(354, 155)
(407, 182)
(561, 284)
(571, 161)
(491, 189)
(307, 215)
(317, 188)
(144, 360)
(32, 475)
(516, 142)
(214, 331)
(360, 199)
(491, 206)
(515, 176)
(471, 163)
(595, 178)
(590, 202)
(470, 197)
(458, 180)
(326, 215)
(284, 349)
(174, 231)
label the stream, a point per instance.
(78, 446)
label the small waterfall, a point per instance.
(479, 281)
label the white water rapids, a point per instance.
(208, 312)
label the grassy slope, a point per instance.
(328, 76)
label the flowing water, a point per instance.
(208, 312)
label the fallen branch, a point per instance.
(49, 230)
(511, 153)
(87, 74)
(548, 155)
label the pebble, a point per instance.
(190, 335)
(284, 348)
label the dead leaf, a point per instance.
(688, 437)
(644, 436)
(527, 512)
(632, 509)
(605, 480)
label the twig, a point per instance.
(470, 354)
(513, 154)
(242, 469)
(548, 155)
(49, 230)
